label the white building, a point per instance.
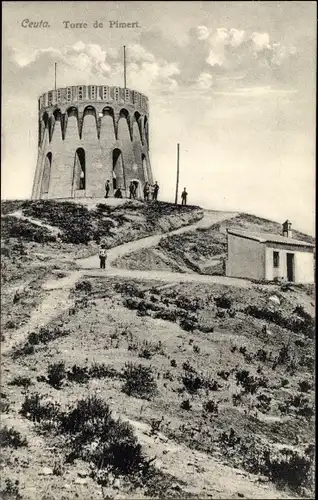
(269, 256)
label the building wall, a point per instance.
(246, 258)
(303, 263)
(98, 119)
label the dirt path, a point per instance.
(90, 265)
(209, 218)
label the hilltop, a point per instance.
(205, 384)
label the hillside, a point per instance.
(206, 388)
(201, 251)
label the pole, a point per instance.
(177, 185)
(124, 67)
(54, 76)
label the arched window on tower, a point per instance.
(79, 170)
(146, 130)
(46, 174)
(118, 170)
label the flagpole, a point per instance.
(177, 184)
(124, 67)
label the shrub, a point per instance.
(237, 399)
(298, 324)
(261, 355)
(231, 439)
(10, 491)
(290, 468)
(185, 405)
(189, 304)
(188, 368)
(156, 425)
(103, 371)
(223, 301)
(87, 417)
(21, 381)
(173, 363)
(11, 438)
(117, 448)
(149, 349)
(56, 374)
(167, 315)
(139, 381)
(13, 227)
(305, 386)
(43, 336)
(78, 374)
(192, 383)
(83, 286)
(249, 383)
(213, 385)
(188, 324)
(206, 328)
(264, 403)
(34, 409)
(75, 220)
(211, 407)
(4, 405)
(223, 374)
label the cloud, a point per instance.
(87, 63)
(251, 56)
(203, 32)
(205, 80)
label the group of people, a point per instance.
(150, 191)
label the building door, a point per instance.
(290, 267)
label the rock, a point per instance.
(176, 487)
(67, 486)
(82, 473)
(81, 480)
(47, 471)
(241, 495)
(116, 484)
(274, 299)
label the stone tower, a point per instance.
(90, 134)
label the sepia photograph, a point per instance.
(158, 250)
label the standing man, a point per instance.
(102, 256)
(184, 195)
(107, 188)
(155, 191)
(132, 190)
(146, 192)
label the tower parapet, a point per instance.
(89, 134)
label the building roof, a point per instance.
(269, 238)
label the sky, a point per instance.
(233, 82)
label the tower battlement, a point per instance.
(89, 134)
(93, 93)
